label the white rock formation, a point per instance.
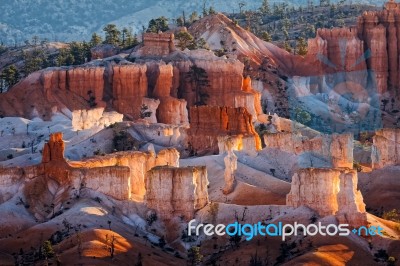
(230, 169)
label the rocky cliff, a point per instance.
(335, 149)
(96, 117)
(174, 192)
(386, 148)
(329, 192)
(222, 84)
(210, 122)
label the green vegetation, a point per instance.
(158, 24)
(8, 77)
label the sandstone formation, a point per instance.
(129, 87)
(223, 84)
(171, 110)
(386, 148)
(329, 192)
(121, 175)
(336, 149)
(174, 192)
(157, 44)
(210, 122)
(230, 161)
(372, 44)
(138, 164)
(86, 119)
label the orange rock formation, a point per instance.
(174, 192)
(210, 122)
(329, 192)
(386, 148)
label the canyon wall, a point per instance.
(96, 117)
(329, 192)
(174, 192)
(210, 122)
(221, 84)
(336, 149)
(386, 148)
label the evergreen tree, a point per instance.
(185, 40)
(266, 36)
(8, 77)
(35, 60)
(211, 11)
(193, 17)
(265, 8)
(158, 24)
(95, 40)
(198, 77)
(65, 58)
(112, 35)
(287, 46)
(302, 47)
(128, 39)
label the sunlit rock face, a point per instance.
(230, 161)
(386, 148)
(329, 192)
(138, 163)
(96, 117)
(337, 149)
(174, 192)
(171, 110)
(221, 83)
(157, 44)
(129, 87)
(53, 182)
(211, 122)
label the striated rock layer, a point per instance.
(211, 122)
(329, 192)
(336, 149)
(386, 148)
(174, 192)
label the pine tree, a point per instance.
(265, 8)
(8, 78)
(302, 47)
(158, 24)
(185, 40)
(266, 36)
(113, 35)
(287, 46)
(95, 40)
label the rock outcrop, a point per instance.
(222, 83)
(335, 149)
(211, 122)
(230, 161)
(129, 87)
(329, 192)
(171, 110)
(121, 175)
(96, 117)
(157, 44)
(386, 148)
(174, 192)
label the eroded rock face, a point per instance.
(171, 110)
(157, 44)
(225, 83)
(174, 192)
(230, 161)
(329, 192)
(129, 86)
(336, 149)
(386, 148)
(138, 163)
(49, 185)
(211, 122)
(86, 119)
